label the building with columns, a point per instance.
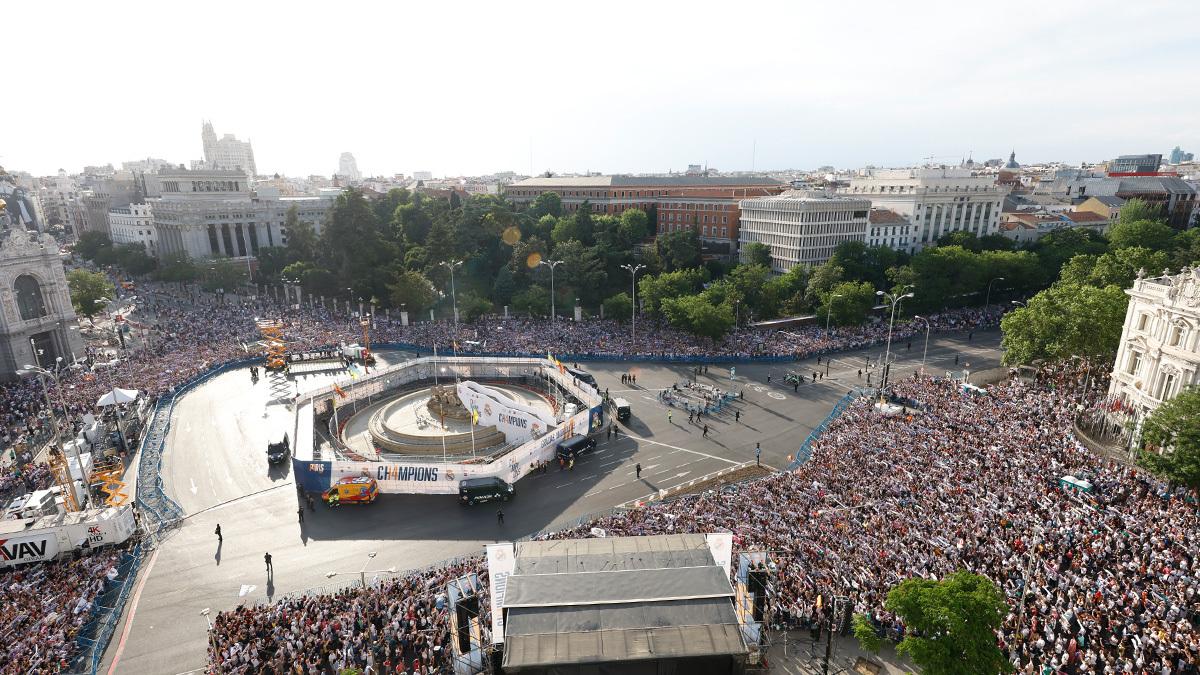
(935, 201)
(37, 321)
(213, 213)
(1159, 353)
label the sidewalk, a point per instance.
(805, 658)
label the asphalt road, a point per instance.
(215, 467)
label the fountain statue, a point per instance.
(444, 403)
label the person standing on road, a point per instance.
(737, 415)
(638, 468)
(499, 516)
(705, 431)
(669, 417)
(300, 514)
(758, 454)
(270, 567)
(220, 539)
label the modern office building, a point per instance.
(935, 201)
(227, 152)
(213, 213)
(1175, 196)
(803, 227)
(1159, 353)
(1178, 156)
(1134, 164)
(133, 224)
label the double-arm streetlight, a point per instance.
(552, 264)
(633, 270)
(828, 310)
(893, 299)
(987, 303)
(42, 374)
(453, 295)
(926, 352)
(362, 573)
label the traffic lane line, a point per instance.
(675, 470)
(676, 447)
(133, 605)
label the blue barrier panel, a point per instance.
(94, 636)
(804, 453)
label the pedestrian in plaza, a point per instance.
(970, 336)
(638, 468)
(860, 373)
(309, 499)
(689, 417)
(737, 415)
(499, 516)
(796, 386)
(220, 539)
(956, 359)
(270, 567)
(300, 514)
(758, 454)
(768, 378)
(635, 379)
(705, 430)
(669, 417)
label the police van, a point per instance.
(575, 446)
(622, 408)
(474, 490)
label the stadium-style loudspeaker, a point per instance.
(757, 583)
(464, 611)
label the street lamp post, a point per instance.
(828, 311)
(362, 573)
(552, 264)
(633, 270)
(988, 302)
(1018, 303)
(453, 294)
(42, 374)
(893, 300)
(926, 352)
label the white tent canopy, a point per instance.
(118, 396)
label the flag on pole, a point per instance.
(339, 391)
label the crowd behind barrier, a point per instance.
(1097, 582)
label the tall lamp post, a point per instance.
(552, 264)
(926, 352)
(453, 295)
(828, 311)
(987, 303)
(42, 374)
(893, 300)
(633, 270)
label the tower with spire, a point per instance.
(1012, 161)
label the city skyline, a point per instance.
(782, 88)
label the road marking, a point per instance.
(676, 447)
(588, 477)
(777, 396)
(617, 461)
(133, 604)
(193, 482)
(650, 459)
(564, 485)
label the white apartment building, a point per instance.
(213, 213)
(227, 152)
(934, 200)
(133, 224)
(1159, 353)
(890, 229)
(802, 227)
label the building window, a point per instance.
(29, 297)
(1135, 362)
(1165, 389)
(1143, 319)
(1176, 336)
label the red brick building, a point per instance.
(710, 203)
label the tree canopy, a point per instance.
(1171, 436)
(951, 623)
(89, 290)
(1065, 320)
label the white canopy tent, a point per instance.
(117, 396)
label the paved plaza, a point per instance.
(215, 467)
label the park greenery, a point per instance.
(398, 250)
(1171, 438)
(1081, 313)
(90, 291)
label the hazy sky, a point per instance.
(466, 88)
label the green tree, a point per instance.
(1187, 249)
(851, 308)
(581, 272)
(177, 267)
(471, 306)
(822, 280)
(864, 631)
(653, 290)
(411, 291)
(546, 204)
(503, 286)
(967, 240)
(1171, 436)
(133, 259)
(951, 624)
(89, 290)
(679, 250)
(1115, 268)
(271, 261)
(1151, 234)
(635, 226)
(411, 222)
(947, 276)
(696, 315)
(534, 301)
(301, 237)
(439, 245)
(1136, 210)
(355, 246)
(567, 229)
(1056, 248)
(756, 253)
(543, 228)
(786, 291)
(91, 243)
(618, 307)
(225, 275)
(1065, 320)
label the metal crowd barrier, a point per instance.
(94, 636)
(804, 453)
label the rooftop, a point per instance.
(644, 181)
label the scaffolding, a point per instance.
(109, 479)
(62, 476)
(276, 355)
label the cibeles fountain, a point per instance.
(456, 419)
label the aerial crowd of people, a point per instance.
(1098, 582)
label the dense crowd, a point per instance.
(1097, 582)
(43, 607)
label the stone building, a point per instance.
(35, 304)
